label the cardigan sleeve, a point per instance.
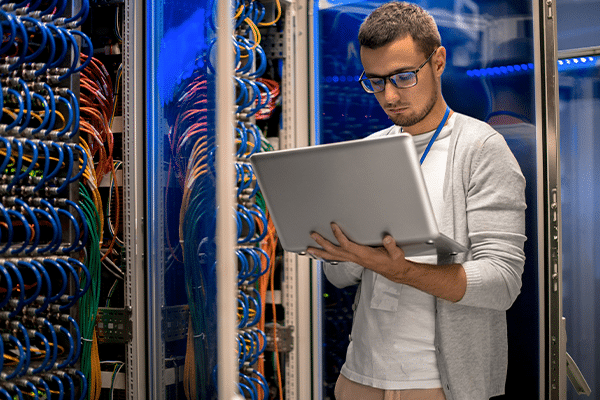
(495, 221)
(343, 274)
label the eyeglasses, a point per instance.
(401, 80)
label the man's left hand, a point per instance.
(387, 260)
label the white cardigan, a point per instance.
(484, 209)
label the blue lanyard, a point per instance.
(435, 135)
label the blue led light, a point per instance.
(570, 63)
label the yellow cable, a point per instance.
(96, 375)
(276, 18)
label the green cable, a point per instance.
(88, 304)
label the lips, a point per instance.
(397, 110)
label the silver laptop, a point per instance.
(368, 187)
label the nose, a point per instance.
(390, 92)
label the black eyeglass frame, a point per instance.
(366, 89)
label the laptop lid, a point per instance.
(368, 187)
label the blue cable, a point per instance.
(240, 178)
(241, 351)
(72, 298)
(69, 122)
(27, 94)
(41, 382)
(12, 125)
(245, 267)
(90, 52)
(19, 278)
(8, 227)
(244, 318)
(255, 260)
(38, 14)
(250, 387)
(267, 93)
(78, 18)
(13, 32)
(14, 388)
(8, 146)
(257, 308)
(84, 161)
(28, 233)
(61, 387)
(267, 260)
(258, 12)
(75, 226)
(50, 327)
(262, 67)
(52, 106)
(34, 221)
(19, 165)
(5, 393)
(86, 272)
(56, 218)
(32, 163)
(23, 45)
(38, 281)
(46, 170)
(50, 49)
(244, 214)
(46, 119)
(77, 339)
(55, 233)
(71, 346)
(84, 383)
(27, 347)
(10, 338)
(75, 107)
(33, 389)
(256, 136)
(245, 68)
(63, 275)
(59, 163)
(258, 212)
(70, 165)
(263, 383)
(242, 386)
(44, 363)
(75, 47)
(42, 45)
(71, 384)
(264, 341)
(84, 226)
(44, 273)
(9, 289)
(243, 95)
(63, 53)
(60, 9)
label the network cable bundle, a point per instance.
(44, 230)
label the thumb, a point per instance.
(390, 245)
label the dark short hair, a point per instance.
(396, 20)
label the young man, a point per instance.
(428, 327)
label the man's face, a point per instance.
(409, 107)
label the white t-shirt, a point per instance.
(397, 328)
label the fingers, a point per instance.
(393, 250)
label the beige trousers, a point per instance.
(345, 389)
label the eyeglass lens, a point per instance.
(401, 80)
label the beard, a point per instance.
(410, 119)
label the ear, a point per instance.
(438, 61)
